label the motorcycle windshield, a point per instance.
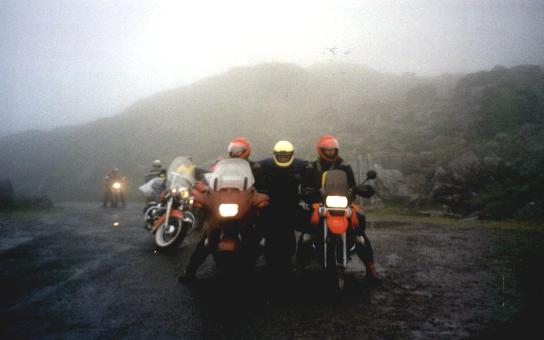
(181, 173)
(335, 183)
(232, 173)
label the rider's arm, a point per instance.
(260, 177)
(310, 187)
(351, 180)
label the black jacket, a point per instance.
(281, 184)
(155, 172)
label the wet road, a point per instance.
(75, 273)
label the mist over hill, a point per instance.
(413, 127)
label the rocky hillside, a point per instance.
(471, 144)
(479, 152)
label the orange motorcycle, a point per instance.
(230, 204)
(336, 214)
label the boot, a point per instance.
(305, 252)
(371, 273)
(197, 258)
(186, 276)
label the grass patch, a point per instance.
(411, 215)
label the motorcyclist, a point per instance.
(109, 179)
(158, 186)
(238, 148)
(155, 171)
(280, 178)
(329, 158)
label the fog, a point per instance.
(68, 62)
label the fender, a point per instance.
(354, 220)
(337, 224)
(315, 214)
(228, 244)
(173, 213)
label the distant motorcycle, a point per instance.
(335, 214)
(115, 192)
(171, 217)
(230, 204)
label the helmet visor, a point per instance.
(283, 157)
(236, 150)
(330, 152)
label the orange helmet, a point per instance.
(325, 143)
(239, 148)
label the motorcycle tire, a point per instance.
(335, 271)
(167, 239)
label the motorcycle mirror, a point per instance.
(371, 174)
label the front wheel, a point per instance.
(335, 269)
(171, 234)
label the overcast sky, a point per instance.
(66, 62)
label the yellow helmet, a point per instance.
(284, 153)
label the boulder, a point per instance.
(464, 167)
(391, 184)
(406, 162)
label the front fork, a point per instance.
(168, 209)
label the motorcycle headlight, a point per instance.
(228, 210)
(336, 201)
(182, 192)
(117, 185)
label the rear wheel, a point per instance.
(171, 234)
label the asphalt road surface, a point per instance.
(75, 273)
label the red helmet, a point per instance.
(239, 148)
(328, 142)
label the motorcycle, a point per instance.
(115, 192)
(171, 217)
(336, 214)
(230, 203)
